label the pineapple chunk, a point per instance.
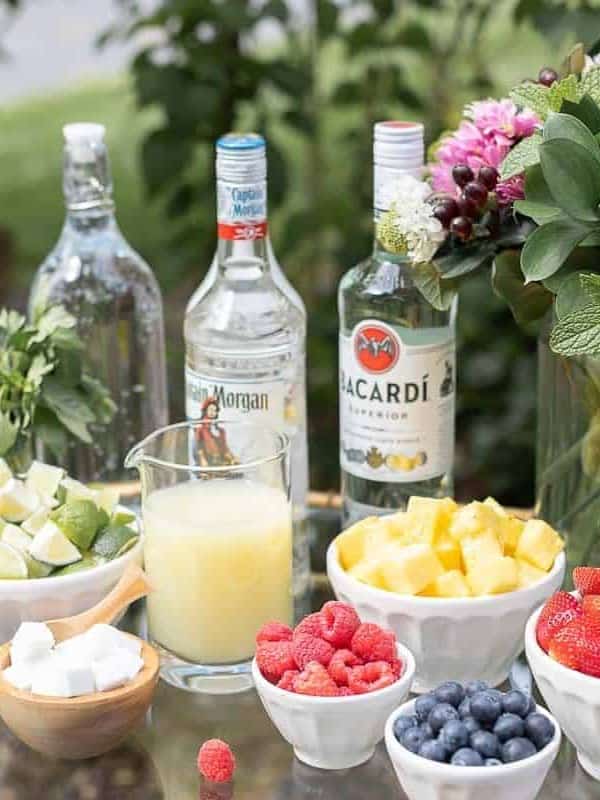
(367, 571)
(539, 544)
(477, 550)
(473, 520)
(450, 584)
(398, 525)
(510, 527)
(430, 517)
(408, 570)
(529, 575)
(351, 542)
(448, 552)
(376, 536)
(495, 576)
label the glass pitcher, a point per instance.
(217, 524)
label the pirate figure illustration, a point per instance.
(213, 450)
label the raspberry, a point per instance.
(587, 580)
(397, 667)
(306, 648)
(340, 664)
(560, 609)
(310, 625)
(274, 632)
(339, 622)
(216, 761)
(315, 680)
(287, 680)
(372, 643)
(373, 676)
(275, 658)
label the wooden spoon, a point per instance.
(86, 726)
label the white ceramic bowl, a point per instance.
(422, 779)
(40, 599)
(334, 732)
(574, 699)
(462, 639)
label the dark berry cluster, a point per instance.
(458, 215)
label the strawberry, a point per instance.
(560, 609)
(587, 580)
(577, 645)
(591, 605)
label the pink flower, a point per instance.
(510, 190)
(500, 119)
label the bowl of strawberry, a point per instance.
(330, 684)
(562, 642)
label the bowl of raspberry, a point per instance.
(329, 685)
(562, 642)
(471, 741)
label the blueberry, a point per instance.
(509, 726)
(472, 687)
(485, 706)
(496, 693)
(412, 739)
(471, 724)
(465, 757)
(454, 735)
(539, 729)
(492, 762)
(427, 730)
(402, 724)
(424, 705)
(516, 702)
(487, 744)
(464, 708)
(532, 706)
(434, 750)
(440, 715)
(450, 692)
(517, 749)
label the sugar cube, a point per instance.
(59, 679)
(19, 676)
(33, 640)
(114, 670)
(103, 639)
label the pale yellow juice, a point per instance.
(219, 554)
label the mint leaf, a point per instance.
(590, 84)
(533, 96)
(430, 282)
(578, 333)
(523, 155)
(565, 126)
(548, 247)
(573, 177)
(8, 434)
(566, 89)
(578, 290)
(50, 321)
(528, 302)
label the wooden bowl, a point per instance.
(78, 727)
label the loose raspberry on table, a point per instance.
(340, 665)
(287, 680)
(216, 762)
(274, 632)
(371, 677)
(315, 680)
(309, 625)
(372, 643)
(306, 648)
(339, 622)
(274, 659)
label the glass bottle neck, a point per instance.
(242, 223)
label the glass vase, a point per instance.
(568, 449)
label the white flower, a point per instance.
(412, 216)
(591, 62)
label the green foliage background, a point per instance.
(314, 86)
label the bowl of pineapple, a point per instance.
(456, 584)
(63, 545)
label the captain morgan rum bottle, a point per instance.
(396, 363)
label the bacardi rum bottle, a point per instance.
(397, 362)
(245, 327)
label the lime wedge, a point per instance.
(87, 562)
(123, 517)
(51, 546)
(37, 569)
(114, 541)
(17, 502)
(71, 489)
(12, 563)
(43, 478)
(15, 537)
(79, 520)
(36, 521)
(108, 498)
(5, 473)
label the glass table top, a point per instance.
(158, 761)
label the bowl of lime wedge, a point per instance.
(63, 545)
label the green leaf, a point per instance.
(573, 177)
(578, 333)
(585, 110)
(537, 211)
(577, 291)
(51, 432)
(465, 259)
(528, 302)
(523, 155)
(565, 89)
(533, 96)
(536, 188)
(548, 247)
(51, 321)
(590, 84)
(564, 126)
(8, 434)
(69, 406)
(433, 286)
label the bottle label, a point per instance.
(396, 402)
(242, 210)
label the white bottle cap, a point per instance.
(399, 145)
(241, 157)
(84, 139)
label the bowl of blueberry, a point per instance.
(461, 740)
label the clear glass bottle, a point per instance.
(245, 327)
(115, 297)
(397, 364)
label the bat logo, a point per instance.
(376, 348)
